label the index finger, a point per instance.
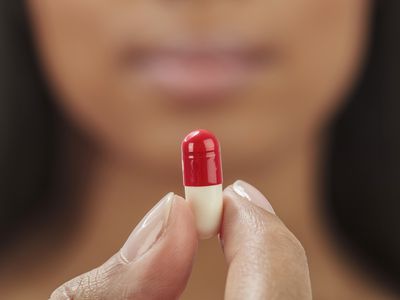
(265, 259)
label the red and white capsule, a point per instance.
(202, 178)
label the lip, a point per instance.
(198, 72)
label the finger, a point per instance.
(265, 259)
(154, 263)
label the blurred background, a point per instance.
(96, 96)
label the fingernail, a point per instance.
(249, 192)
(149, 230)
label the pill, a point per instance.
(202, 180)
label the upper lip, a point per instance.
(200, 49)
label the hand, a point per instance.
(265, 260)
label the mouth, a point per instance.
(198, 72)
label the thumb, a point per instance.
(265, 259)
(154, 263)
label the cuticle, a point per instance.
(162, 232)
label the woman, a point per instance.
(97, 97)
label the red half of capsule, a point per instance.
(201, 159)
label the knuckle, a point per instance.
(99, 283)
(61, 293)
(91, 285)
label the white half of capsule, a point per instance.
(206, 202)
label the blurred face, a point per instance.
(138, 75)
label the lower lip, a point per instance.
(198, 76)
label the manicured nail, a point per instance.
(249, 192)
(149, 230)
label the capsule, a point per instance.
(202, 179)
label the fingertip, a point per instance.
(244, 221)
(183, 209)
(246, 191)
(178, 198)
(164, 270)
(182, 217)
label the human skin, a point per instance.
(265, 260)
(271, 128)
(312, 51)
